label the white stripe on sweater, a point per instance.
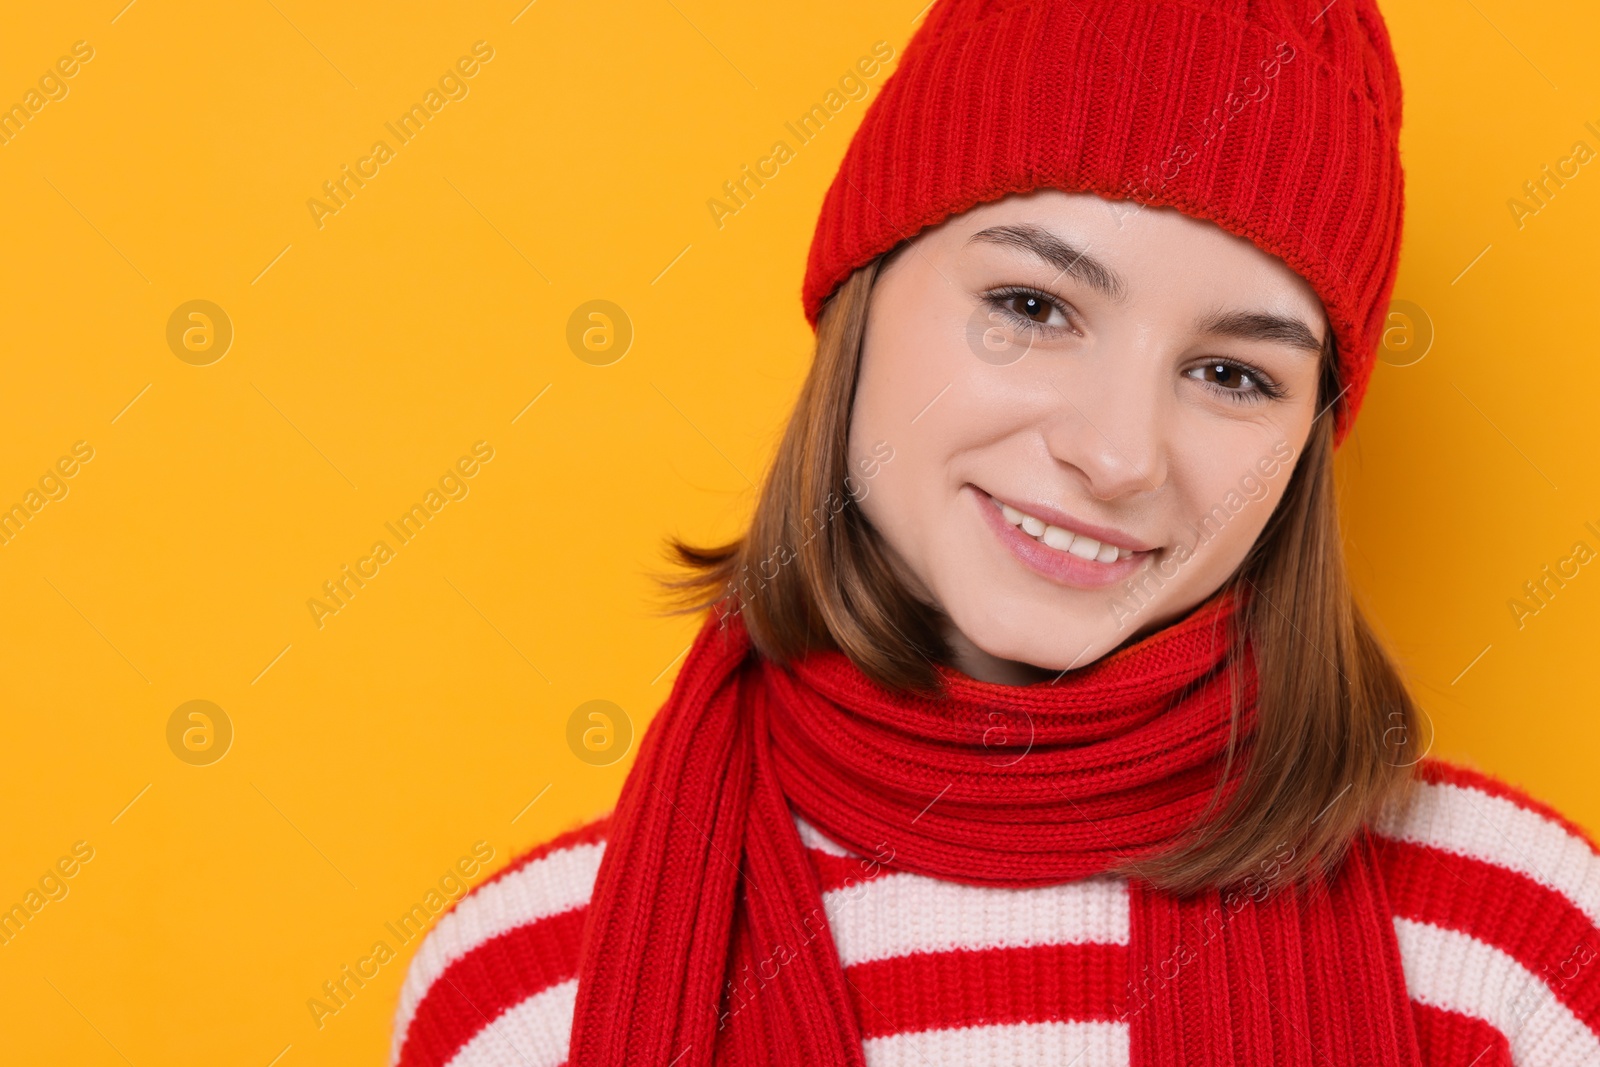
(1443, 968)
(1459, 973)
(814, 839)
(548, 886)
(1099, 1044)
(535, 1033)
(900, 914)
(1472, 823)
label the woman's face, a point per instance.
(1133, 385)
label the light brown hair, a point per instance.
(1337, 730)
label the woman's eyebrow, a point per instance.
(1262, 326)
(1242, 325)
(1040, 242)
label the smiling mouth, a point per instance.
(1063, 540)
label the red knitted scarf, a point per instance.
(705, 876)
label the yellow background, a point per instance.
(371, 754)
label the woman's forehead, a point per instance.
(1128, 253)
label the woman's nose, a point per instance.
(1112, 429)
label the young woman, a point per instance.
(1032, 720)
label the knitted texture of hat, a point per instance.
(1278, 120)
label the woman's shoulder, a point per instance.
(1496, 903)
(1448, 787)
(1462, 815)
(506, 952)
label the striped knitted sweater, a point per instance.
(1495, 899)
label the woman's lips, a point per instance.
(1061, 566)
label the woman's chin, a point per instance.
(1024, 644)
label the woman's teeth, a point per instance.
(1063, 540)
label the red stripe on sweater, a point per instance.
(494, 977)
(1536, 926)
(1451, 1040)
(945, 990)
(838, 872)
(1497, 906)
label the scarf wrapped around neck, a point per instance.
(986, 784)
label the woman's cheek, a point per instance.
(886, 507)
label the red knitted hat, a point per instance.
(1278, 120)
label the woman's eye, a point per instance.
(1030, 308)
(1241, 382)
(1227, 377)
